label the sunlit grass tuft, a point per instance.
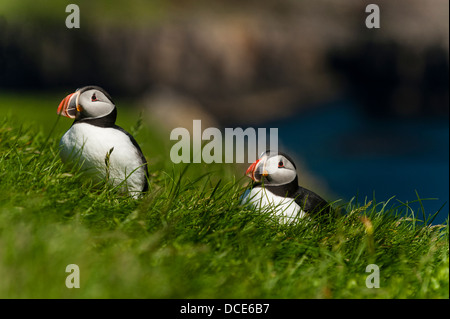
(189, 237)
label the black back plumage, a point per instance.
(143, 159)
(310, 202)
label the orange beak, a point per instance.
(251, 170)
(254, 167)
(68, 106)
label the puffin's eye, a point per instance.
(94, 98)
(280, 164)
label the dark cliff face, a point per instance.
(393, 80)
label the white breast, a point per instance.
(89, 144)
(285, 208)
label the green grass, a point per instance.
(189, 237)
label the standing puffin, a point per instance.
(275, 187)
(104, 150)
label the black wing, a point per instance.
(311, 203)
(143, 159)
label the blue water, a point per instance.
(357, 155)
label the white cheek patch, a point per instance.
(271, 166)
(99, 107)
(277, 175)
(282, 176)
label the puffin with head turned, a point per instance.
(275, 188)
(104, 150)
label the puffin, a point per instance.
(105, 151)
(275, 188)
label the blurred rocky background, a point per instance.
(261, 63)
(238, 61)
